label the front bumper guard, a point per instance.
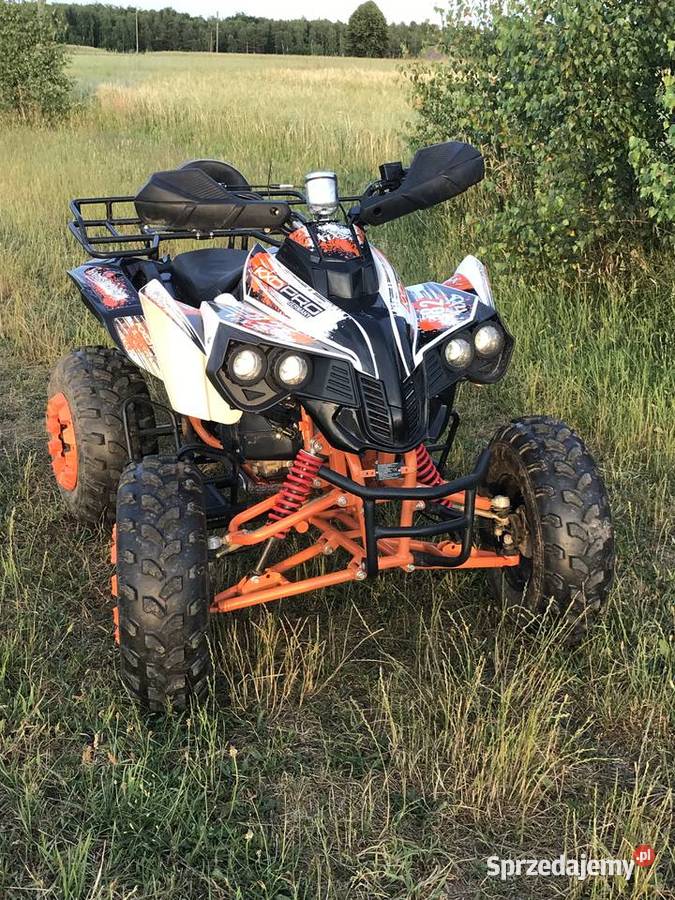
(459, 523)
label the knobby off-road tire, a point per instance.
(86, 391)
(568, 556)
(163, 590)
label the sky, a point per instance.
(394, 10)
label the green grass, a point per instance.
(379, 741)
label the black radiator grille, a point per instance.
(376, 408)
(437, 375)
(339, 386)
(410, 403)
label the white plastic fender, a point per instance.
(476, 273)
(179, 349)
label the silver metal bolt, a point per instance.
(316, 483)
(316, 447)
(328, 550)
(420, 505)
(507, 539)
(500, 502)
(410, 567)
(214, 542)
(361, 574)
(255, 579)
(342, 500)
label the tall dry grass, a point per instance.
(379, 741)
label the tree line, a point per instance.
(125, 30)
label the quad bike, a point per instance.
(309, 393)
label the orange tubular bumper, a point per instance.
(342, 519)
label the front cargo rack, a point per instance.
(110, 228)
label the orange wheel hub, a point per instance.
(62, 445)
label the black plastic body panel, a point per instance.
(436, 173)
(106, 290)
(348, 282)
(190, 198)
(108, 293)
(355, 411)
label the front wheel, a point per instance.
(162, 582)
(87, 443)
(562, 521)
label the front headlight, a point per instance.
(292, 370)
(246, 365)
(489, 340)
(458, 353)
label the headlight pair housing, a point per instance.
(487, 342)
(248, 364)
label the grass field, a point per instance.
(379, 741)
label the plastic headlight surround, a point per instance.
(458, 353)
(475, 366)
(292, 370)
(246, 365)
(489, 340)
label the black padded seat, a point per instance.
(201, 275)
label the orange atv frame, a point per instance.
(343, 516)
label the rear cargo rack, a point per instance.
(110, 228)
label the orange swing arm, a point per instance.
(338, 518)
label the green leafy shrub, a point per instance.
(654, 166)
(552, 91)
(367, 33)
(33, 82)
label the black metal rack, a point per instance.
(107, 231)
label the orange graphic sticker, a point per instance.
(439, 308)
(461, 282)
(301, 236)
(110, 287)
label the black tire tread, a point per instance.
(96, 381)
(573, 511)
(163, 582)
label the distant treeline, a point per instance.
(112, 28)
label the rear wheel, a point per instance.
(162, 582)
(562, 521)
(87, 444)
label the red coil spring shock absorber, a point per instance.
(427, 473)
(296, 487)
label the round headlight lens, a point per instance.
(292, 369)
(247, 365)
(458, 353)
(489, 340)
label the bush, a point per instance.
(553, 91)
(367, 33)
(654, 166)
(33, 82)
